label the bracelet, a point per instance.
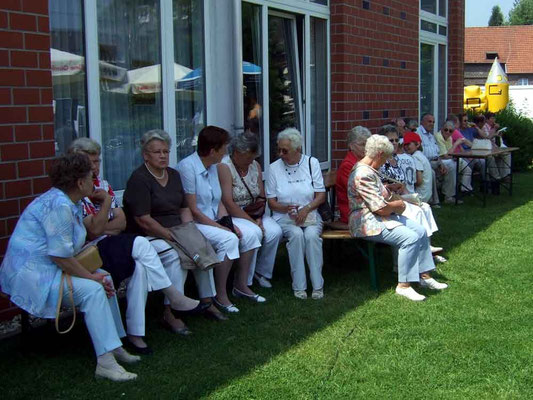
(308, 207)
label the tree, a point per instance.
(496, 18)
(521, 13)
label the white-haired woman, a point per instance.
(125, 255)
(241, 181)
(376, 216)
(295, 189)
(154, 202)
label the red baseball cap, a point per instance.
(410, 137)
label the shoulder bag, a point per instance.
(193, 248)
(257, 208)
(324, 209)
(90, 259)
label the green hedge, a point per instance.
(519, 134)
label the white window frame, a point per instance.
(288, 9)
(434, 39)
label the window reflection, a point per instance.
(68, 72)
(319, 99)
(427, 85)
(284, 83)
(252, 70)
(130, 89)
(188, 76)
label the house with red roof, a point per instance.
(512, 45)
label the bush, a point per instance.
(519, 134)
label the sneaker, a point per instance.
(439, 259)
(262, 281)
(115, 373)
(410, 293)
(451, 200)
(435, 206)
(432, 284)
(317, 294)
(435, 249)
(300, 294)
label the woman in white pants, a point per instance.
(232, 238)
(295, 189)
(241, 181)
(126, 255)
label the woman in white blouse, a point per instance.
(295, 189)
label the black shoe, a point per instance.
(216, 316)
(144, 351)
(199, 309)
(180, 331)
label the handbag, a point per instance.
(226, 222)
(90, 259)
(257, 208)
(193, 248)
(324, 209)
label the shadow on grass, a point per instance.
(46, 365)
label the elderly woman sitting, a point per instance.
(295, 189)
(125, 255)
(231, 238)
(241, 181)
(154, 202)
(48, 234)
(376, 216)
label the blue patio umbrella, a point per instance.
(192, 78)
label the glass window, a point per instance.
(442, 8)
(252, 70)
(188, 77)
(442, 85)
(523, 82)
(130, 93)
(68, 71)
(323, 2)
(284, 78)
(427, 84)
(318, 95)
(429, 6)
(443, 30)
(428, 26)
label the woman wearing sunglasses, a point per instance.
(447, 147)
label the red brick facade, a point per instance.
(456, 55)
(26, 115)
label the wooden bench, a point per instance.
(337, 230)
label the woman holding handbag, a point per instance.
(128, 255)
(231, 238)
(243, 195)
(48, 234)
(295, 190)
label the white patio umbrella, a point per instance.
(65, 64)
(148, 79)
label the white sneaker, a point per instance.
(115, 373)
(317, 294)
(439, 259)
(263, 282)
(122, 355)
(432, 284)
(410, 293)
(435, 249)
(300, 294)
(451, 200)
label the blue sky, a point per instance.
(478, 11)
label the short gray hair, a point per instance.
(155, 134)
(245, 142)
(449, 124)
(358, 135)
(378, 144)
(85, 145)
(293, 136)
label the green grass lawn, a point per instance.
(472, 341)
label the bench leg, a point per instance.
(372, 265)
(24, 322)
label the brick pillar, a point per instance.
(456, 55)
(26, 115)
(374, 65)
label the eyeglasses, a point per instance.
(447, 130)
(394, 140)
(283, 151)
(160, 152)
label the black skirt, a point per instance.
(115, 252)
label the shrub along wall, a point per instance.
(519, 134)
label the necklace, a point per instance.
(154, 175)
(294, 168)
(240, 171)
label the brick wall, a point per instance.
(374, 65)
(456, 55)
(26, 115)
